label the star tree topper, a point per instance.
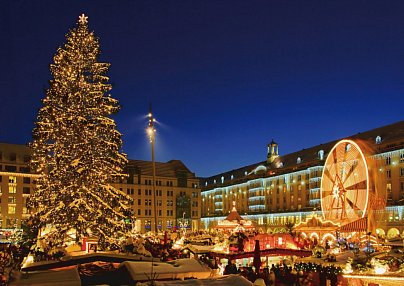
(83, 19)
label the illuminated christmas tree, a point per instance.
(76, 148)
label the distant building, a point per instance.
(286, 188)
(177, 191)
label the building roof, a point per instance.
(171, 168)
(234, 215)
(391, 138)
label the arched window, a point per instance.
(321, 154)
(231, 177)
(299, 160)
(378, 140)
(222, 179)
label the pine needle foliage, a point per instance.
(76, 147)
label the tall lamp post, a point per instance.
(151, 132)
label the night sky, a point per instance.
(225, 77)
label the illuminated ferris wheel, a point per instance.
(344, 188)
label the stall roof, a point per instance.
(177, 269)
(68, 277)
(229, 280)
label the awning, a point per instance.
(357, 225)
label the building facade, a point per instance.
(178, 200)
(286, 188)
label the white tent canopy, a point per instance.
(68, 277)
(230, 280)
(177, 269)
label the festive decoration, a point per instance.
(76, 148)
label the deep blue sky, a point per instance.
(224, 76)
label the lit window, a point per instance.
(11, 209)
(12, 180)
(321, 154)
(12, 189)
(378, 140)
(299, 160)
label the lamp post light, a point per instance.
(151, 132)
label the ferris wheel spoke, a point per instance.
(358, 185)
(328, 174)
(358, 196)
(334, 154)
(350, 172)
(328, 200)
(352, 204)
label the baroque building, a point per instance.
(286, 188)
(178, 200)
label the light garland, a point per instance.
(76, 148)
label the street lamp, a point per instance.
(151, 132)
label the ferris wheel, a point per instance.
(344, 190)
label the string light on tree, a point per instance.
(76, 147)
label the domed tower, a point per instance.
(272, 152)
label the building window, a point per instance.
(12, 180)
(139, 192)
(299, 160)
(13, 157)
(12, 200)
(388, 188)
(12, 189)
(9, 168)
(139, 212)
(378, 140)
(388, 160)
(139, 202)
(321, 154)
(401, 157)
(401, 172)
(11, 209)
(26, 190)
